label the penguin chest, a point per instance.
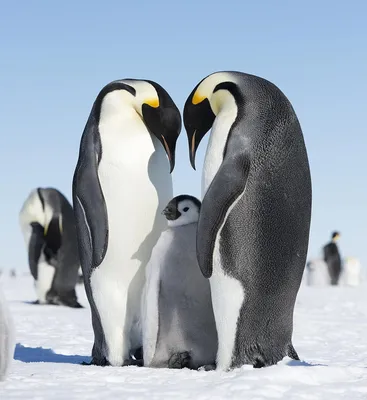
(132, 195)
(217, 143)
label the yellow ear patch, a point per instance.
(197, 98)
(152, 102)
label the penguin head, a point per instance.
(182, 210)
(50, 200)
(208, 98)
(153, 105)
(335, 236)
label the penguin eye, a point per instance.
(186, 209)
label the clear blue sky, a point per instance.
(57, 55)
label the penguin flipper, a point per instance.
(227, 185)
(36, 243)
(88, 200)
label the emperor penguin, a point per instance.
(352, 272)
(316, 273)
(48, 225)
(333, 259)
(254, 223)
(121, 181)
(177, 314)
(7, 338)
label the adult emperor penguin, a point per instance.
(7, 337)
(177, 313)
(48, 226)
(333, 259)
(254, 223)
(121, 182)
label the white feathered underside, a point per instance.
(7, 338)
(150, 315)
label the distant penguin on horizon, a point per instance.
(177, 314)
(48, 226)
(121, 182)
(352, 272)
(254, 223)
(7, 337)
(333, 259)
(316, 273)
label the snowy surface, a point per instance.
(330, 335)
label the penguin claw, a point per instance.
(130, 362)
(258, 364)
(179, 360)
(99, 363)
(207, 367)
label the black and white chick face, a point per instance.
(182, 210)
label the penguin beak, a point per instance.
(193, 148)
(170, 153)
(169, 213)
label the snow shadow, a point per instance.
(39, 354)
(295, 363)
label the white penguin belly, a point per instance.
(45, 276)
(134, 223)
(227, 292)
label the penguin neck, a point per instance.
(225, 109)
(117, 107)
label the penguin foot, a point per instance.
(73, 305)
(138, 354)
(258, 364)
(207, 367)
(36, 302)
(179, 360)
(100, 363)
(131, 361)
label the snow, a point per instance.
(330, 335)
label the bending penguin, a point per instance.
(333, 259)
(48, 226)
(7, 338)
(177, 315)
(121, 181)
(254, 222)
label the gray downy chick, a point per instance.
(178, 321)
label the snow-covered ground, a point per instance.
(330, 335)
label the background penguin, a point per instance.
(316, 273)
(7, 338)
(352, 272)
(253, 228)
(121, 181)
(48, 226)
(332, 259)
(177, 314)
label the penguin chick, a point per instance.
(178, 321)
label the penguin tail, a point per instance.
(291, 353)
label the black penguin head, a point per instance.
(201, 107)
(182, 210)
(156, 108)
(163, 119)
(335, 236)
